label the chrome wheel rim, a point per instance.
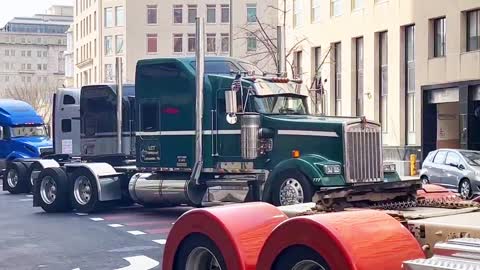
(465, 190)
(308, 265)
(34, 177)
(202, 258)
(291, 192)
(12, 178)
(48, 190)
(82, 190)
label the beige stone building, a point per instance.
(413, 65)
(104, 30)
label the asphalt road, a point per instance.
(127, 238)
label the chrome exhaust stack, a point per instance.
(149, 190)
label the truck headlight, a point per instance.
(332, 169)
(389, 168)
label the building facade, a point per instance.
(412, 65)
(133, 30)
(32, 50)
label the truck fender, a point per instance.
(107, 179)
(335, 244)
(304, 165)
(235, 244)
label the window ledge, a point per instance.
(470, 52)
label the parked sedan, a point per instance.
(457, 169)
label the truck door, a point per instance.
(4, 145)
(67, 122)
(227, 135)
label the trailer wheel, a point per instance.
(84, 195)
(198, 252)
(292, 188)
(15, 178)
(300, 258)
(51, 190)
(33, 174)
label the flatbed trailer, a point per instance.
(440, 232)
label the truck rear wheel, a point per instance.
(33, 174)
(51, 190)
(300, 258)
(292, 188)
(84, 195)
(15, 178)
(198, 252)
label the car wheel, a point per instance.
(465, 189)
(425, 180)
(292, 188)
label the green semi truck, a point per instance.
(240, 137)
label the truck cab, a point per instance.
(255, 129)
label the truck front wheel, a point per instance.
(84, 195)
(51, 190)
(15, 178)
(292, 188)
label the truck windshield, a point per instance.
(28, 131)
(473, 158)
(281, 104)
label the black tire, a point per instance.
(20, 170)
(291, 174)
(193, 242)
(61, 201)
(425, 180)
(34, 167)
(92, 204)
(465, 184)
(294, 255)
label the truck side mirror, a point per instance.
(1, 133)
(231, 106)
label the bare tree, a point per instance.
(40, 96)
(266, 35)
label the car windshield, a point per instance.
(473, 158)
(28, 131)
(281, 104)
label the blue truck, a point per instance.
(23, 136)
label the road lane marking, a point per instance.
(136, 232)
(158, 231)
(26, 200)
(29, 196)
(140, 263)
(160, 241)
(81, 214)
(115, 225)
(96, 219)
(146, 223)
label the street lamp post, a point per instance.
(231, 28)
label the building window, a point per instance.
(211, 13)
(109, 76)
(357, 4)
(410, 80)
(29, 66)
(211, 43)
(439, 39)
(192, 43)
(359, 56)
(316, 10)
(337, 62)
(225, 38)
(192, 13)
(177, 43)
(152, 14)
(39, 54)
(44, 67)
(335, 8)
(119, 16)
(108, 45)
(251, 42)
(251, 13)
(108, 17)
(178, 14)
(39, 66)
(297, 12)
(45, 54)
(383, 73)
(297, 64)
(473, 30)
(225, 18)
(152, 40)
(94, 22)
(119, 44)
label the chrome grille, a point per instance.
(363, 153)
